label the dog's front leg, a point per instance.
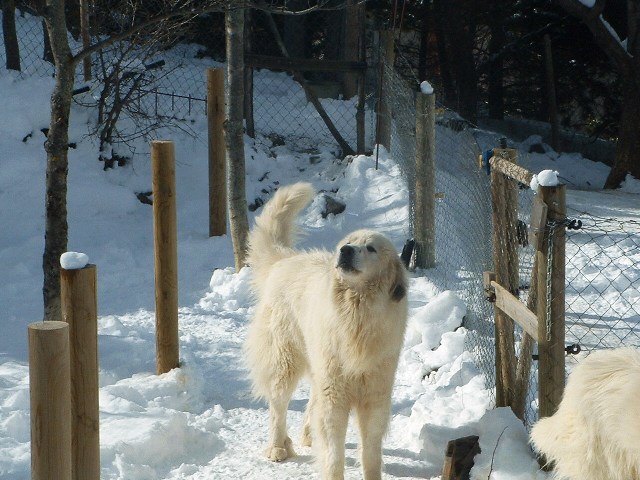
(373, 418)
(330, 418)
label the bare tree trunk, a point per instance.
(11, 48)
(85, 30)
(233, 134)
(444, 60)
(56, 227)
(495, 73)
(248, 76)
(626, 160)
(353, 36)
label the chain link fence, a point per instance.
(463, 248)
(163, 81)
(603, 282)
(602, 297)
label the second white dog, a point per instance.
(338, 318)
(595, 434)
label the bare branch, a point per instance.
(605, 38)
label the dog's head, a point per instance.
(367, 258)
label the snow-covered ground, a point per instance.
(199, 421)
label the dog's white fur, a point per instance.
(341, 323)
(595, 434)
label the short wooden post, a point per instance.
(80, 311)
(425, 201)
(551, 307)
(459, 455)
(166, 255)
(50, 390)
(383, 136)
(504, 205)
(217, 162)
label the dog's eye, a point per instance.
(371, 249)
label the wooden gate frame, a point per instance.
(543, 317)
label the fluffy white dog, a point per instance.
(595, 434)
(338, 318)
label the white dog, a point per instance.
(338, 318)
(595, 434)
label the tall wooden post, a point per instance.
(166, 254)
(425, 181)
(80, 311)
(50, 391)
(504, 206)
(550, 257)
(217, 162)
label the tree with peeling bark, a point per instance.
(625, 57)
(57, 144)
(234, 133)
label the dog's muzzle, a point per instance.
(346, 258)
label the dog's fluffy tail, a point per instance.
(274, 234)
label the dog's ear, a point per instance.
(399, 286)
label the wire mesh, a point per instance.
(603, 282)
(463, 210)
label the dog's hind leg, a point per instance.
(306, 425)
(286, 364)
(280, 446)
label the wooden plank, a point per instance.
(506, 166)
(516, 310)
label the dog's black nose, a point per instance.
(346, 258)
(346, 251)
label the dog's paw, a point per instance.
(278, 454)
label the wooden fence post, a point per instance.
(166, 255)
(425, 202)
(383, 135)
(551, 307)
(217, 157)
(504, 206)
(50, 392)
(80, 311)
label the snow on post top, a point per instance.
(426, 88)
(546, 178)
(73, 260)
